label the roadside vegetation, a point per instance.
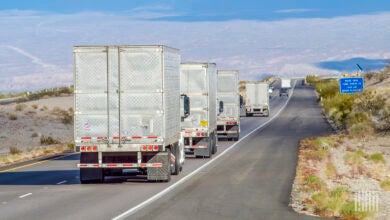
(44, 93)
(360, 114)
(16, 155)
(332, 169)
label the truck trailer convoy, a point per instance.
(198, 81)
(127, 111)
(228, 121)
(257, 99)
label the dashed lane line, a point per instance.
(25, 195)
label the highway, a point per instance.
(248, 179)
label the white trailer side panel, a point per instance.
(198, 82)
(227, 91)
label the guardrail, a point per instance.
(11, 100)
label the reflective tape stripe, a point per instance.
(195, 147)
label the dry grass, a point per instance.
(33, 153)
(385, 184)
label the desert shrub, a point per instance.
(370, 75)
(369, 102)
(381, 77)
(383, 120)
(361, 129)
(313, 183)
(354, 158)
(56, 110)
(327, 89)
(377, 158)
(14, 150)
(70, 146)
(348, 211)
(357, 118)
(13, 117)
(20, 107)
(47, 151)
(65, 116)
(311, 79)
(330, 170)
(337, 198)
(34, 135)
(48, 140)
(385, 184)
(341, 105)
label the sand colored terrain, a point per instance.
(23, 124)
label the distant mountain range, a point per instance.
(36, 48)
(350, 65)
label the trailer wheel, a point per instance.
(175, 166)
(169, 167)
(237, 137)
(214, 143)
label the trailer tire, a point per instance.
(169, 165)
(237, 137)
(214, 143)
(176, 166)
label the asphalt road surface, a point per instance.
(249, 179)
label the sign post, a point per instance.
(351, 85)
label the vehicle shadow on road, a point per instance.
(47, 177)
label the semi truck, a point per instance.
(198, 81)
(228, 121)
(257, 99)
(127, 111)
(285, 87)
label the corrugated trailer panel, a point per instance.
(198, 81)
(127, 91)
(227, 91)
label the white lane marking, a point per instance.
(25, 195)
(184, 179)
(62, 182)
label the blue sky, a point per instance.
(209, 10)
(279, 37)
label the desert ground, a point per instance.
(26, 125)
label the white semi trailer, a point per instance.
(284, 87)
(127, 111)
(198, 82)
(257, 99)
(228, 121)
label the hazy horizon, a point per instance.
(36, 43)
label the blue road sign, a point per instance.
(351, 85)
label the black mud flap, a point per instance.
(91, 175)
(204, 152)
(162, 173)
